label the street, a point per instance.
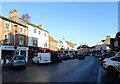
(85, 70)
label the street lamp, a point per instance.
(15, 31)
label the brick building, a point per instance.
(52, 44)
(12, 33)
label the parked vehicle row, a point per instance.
(53, 57)
(81, 56)
(111, 63)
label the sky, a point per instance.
(77, 22)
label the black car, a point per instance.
(81, 56)
(66, 57)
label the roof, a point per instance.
(117, 34)
(2, 17)
(52, 39)
(70, 44)
(33, 25)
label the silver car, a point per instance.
(112, 65)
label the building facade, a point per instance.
(66, 46)
(15, 31)
(12, 34)
(52, 44)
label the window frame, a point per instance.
(8, 38)
(20, 30)
(6, 22)
(21, 42)
(34, 30)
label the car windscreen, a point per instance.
(19, 58)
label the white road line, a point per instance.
(99, 75)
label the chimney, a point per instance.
(40, 26)
(108, 37)
(13, 14)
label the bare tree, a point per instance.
(26, 17)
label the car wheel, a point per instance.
(111, 70)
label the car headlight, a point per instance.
(104, 61)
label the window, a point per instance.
(39, 32)
(21, 40)
(7, 25)
(44, 34)
(45, 45)
(21, 30)
(35, 41)
(6, 39)
(34, 30)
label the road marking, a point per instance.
(99, 75)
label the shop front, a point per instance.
(32, 51)
(7, 52)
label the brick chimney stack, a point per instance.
(13, 14)
(40, 26)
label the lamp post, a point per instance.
(15, 31)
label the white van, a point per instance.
(41, 58)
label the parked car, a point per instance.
(117, 54)
(112, 65)
(18, 61)
(107, 55)
(71, 56)
(97, 55)
(59, 59)
(41, 58)
(66, 57)
(55, 57)
(81, 56)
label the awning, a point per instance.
(45, 49)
